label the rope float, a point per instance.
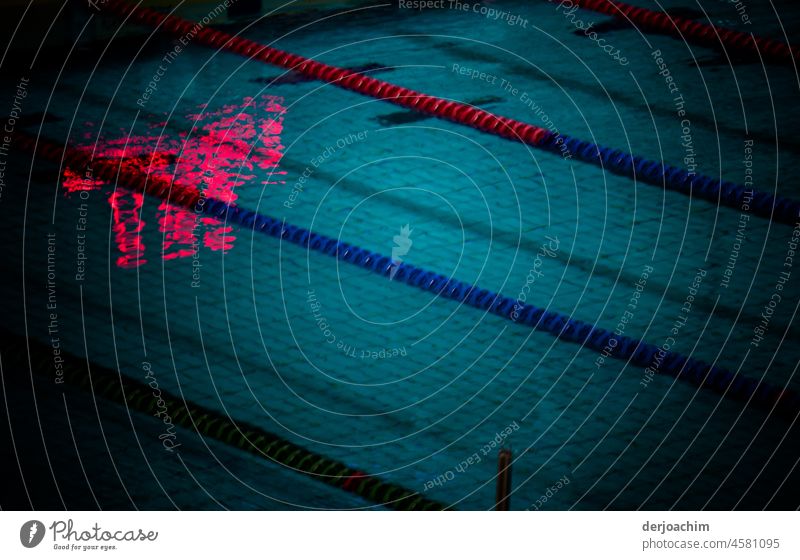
(139, 396)
(691, 30)
(732, 195)
(726, 193)
(784, 401)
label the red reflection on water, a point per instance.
(128, 226)
(75, 182)
(226, 147)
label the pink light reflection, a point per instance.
(226, 148)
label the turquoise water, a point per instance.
(386, 378)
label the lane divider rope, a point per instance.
(138, 396)
(784, 401)
(693, 31)
(725, 193)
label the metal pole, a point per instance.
(502, 499)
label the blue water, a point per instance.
(386, 378)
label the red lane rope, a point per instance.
(451, 110)
(691, 30)
(765, 204)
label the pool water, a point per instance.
(370, 371)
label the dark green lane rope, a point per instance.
(206, 422)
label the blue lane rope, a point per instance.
(673, 178)
(786, 402)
